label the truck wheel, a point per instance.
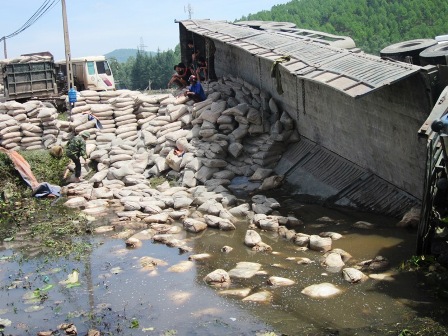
(434, 55)
(400, 51)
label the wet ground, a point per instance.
(117, 296)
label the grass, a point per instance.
(49, 225)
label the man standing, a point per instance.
(76, 148)
(195, 92)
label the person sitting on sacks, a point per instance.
(195, 92)
(180, 78)
(76, 148)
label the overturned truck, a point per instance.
(357, 114)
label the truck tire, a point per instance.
(400, 51)
(434, 55)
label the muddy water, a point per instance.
(116, 296)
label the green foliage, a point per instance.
(434, 275)
(138, 70)
(45, 167)
(373, 24)
(122, 55)
(156, 181)
(50, 225)
(134, 323)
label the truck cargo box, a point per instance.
(28, 80)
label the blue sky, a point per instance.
(97, 27)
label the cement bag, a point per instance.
(97, 108)
(80, 109)
(178, 112)
(187, 158)
(12, 135)
(122, 112)
(14, 113)
(126, 117)
(183, 145)
(205, 173)
(128, 136)
(29, 139)
(9, 129)
(149, 139)
(130, 122)
(120, 157)
(11, 140)
(20, 117)
(106, 115)
(188, 179)
(173, 161)
(125, 129)
(240, 132)
(271, 182)
(13, 105)
(161, 164)
(34, 147)
(46, 112)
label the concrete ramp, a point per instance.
(314, 170)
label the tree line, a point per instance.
(146, 71)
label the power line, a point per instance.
(45, 7)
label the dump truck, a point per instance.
(38, 76)
(29, 76)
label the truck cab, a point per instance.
(90, 73)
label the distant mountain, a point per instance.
(122, 55)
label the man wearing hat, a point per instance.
(195, 92)
(76, 148)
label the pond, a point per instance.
(116, 291)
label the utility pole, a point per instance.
(189, 9)
(68, 56)
(142, 46)
(4, 46)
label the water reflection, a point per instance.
(116, 288)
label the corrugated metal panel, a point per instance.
(373, 194)
(355, 74)
(294, 154)
(329, 168)
(350, 184)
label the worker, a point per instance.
(76, 148)
(195, 91)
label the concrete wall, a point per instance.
(377, 132)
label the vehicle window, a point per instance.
(101, 67)
(107, 68)
(91, 68)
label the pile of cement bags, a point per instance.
(238, 131)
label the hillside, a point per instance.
(122, 55)
(373, 24)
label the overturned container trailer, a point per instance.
(358, 114)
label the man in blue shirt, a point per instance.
(195, 92)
